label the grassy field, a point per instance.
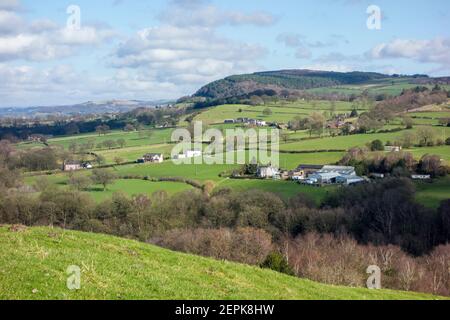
(285, 189)
(129, 187)
(133, 139)
(280, 112)
(430, 194)
(33, 266)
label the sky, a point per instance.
(64, 52)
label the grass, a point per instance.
(33, 266)
(285, 189)
(129, 186)
(132, 139)
(430, 194)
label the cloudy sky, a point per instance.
(162, 49)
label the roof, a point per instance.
(343, 170)
(72, 163)
(309, 166)
(153, 154)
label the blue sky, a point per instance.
(161, 49)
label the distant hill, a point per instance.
(90, 107)
(33, 264)
(239, 85)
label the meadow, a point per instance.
(33, 264)
(296, 148)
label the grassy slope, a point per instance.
(33, 265)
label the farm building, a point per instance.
(267, 172)
(334, 175)
(152, 157)
(188, 154)
(303, 170)
(72, 165)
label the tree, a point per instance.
(267, 112)
(121, 142)
(109, 144)
(432, 165)
(103, 177)
(408, 139)
(118, 160)
(376, 145)
(129, 128)
(316, 123)
(72, 129)
(73, 147)
(408, 122)
(275, 261)
(80, 182)
(102, 129)
(447, 142)
(426, 136)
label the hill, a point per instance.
(33, 265)
(239, 85)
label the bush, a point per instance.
(377, 145)
(447, 142)
(275, 261)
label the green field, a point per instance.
(158, 136)
(129, 187)
(430, 194)
(33, 266)
(280, 112)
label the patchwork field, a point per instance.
(296, 148)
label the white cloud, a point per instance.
(9, 4)
(425, 51)
(43, 39)
(194, 54)
(202, 13)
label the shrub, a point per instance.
(275, 261)
(377, 145)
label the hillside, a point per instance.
(33, 264)
(239, 85)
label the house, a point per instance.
(303, 170)
(392, 149)
(153, 158)
(72, 165)
(421, 177)
(188, 154)
(267, 172)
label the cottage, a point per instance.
(188, 154)
(392, 149)
(153, 158)
(72, 165)
(267, 172)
